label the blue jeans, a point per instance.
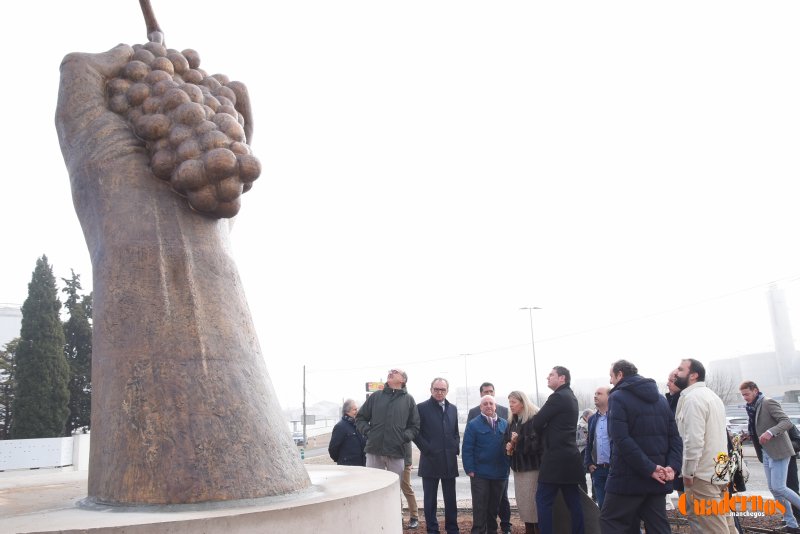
(546, 496)
(599, 477)
(776, 470)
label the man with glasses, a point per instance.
(389, 419)
(438, 442)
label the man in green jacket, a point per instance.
(389, 419)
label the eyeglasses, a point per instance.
(439, 390)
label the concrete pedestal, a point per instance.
(341, 499)
(562, 522)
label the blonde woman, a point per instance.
(523, 446)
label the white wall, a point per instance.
(10, 322)
(45, 452)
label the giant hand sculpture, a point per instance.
(183, 410)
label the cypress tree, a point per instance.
(78, 352)
(42, 373)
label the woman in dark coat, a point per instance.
(347, 444)
(522, 445)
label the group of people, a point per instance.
(380, 433)
(640, 445)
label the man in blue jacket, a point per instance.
(486, 464)
(439, 442)
(646, 454)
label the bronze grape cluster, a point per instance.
(194, 133)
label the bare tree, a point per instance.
(725, 386)
(585, 400)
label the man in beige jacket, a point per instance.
(701, 422)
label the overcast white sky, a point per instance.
(429, 167)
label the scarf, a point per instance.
(751, 415)
(491, 420)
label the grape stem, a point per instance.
(154, 32)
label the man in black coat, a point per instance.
(646, 451)
(487, 388)
(438, 442)
(562, 467)
(346, 446)
(504, 513)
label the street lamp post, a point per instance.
(533, 349)
(466, 382)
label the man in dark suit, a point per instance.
(562, 467)
(438, 442)
(487, 388)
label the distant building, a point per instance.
(10, 322)
(777, 371)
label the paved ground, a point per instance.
(26, 490)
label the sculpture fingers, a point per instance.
(243, 107)
(191, 125)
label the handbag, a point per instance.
(737, 465)
(794, 437)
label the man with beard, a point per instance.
(672, 395)
(645, 454)
(701, 422)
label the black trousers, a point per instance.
(430, 493)
(505, 510)
(486, 495)
(792, 483)
(622, 513)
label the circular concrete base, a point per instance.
(341, 499)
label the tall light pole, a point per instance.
(533, 349)
(466, 382)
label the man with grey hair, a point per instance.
(346, 446)
(504, 512)
(389, 419)
(486, 463)
(439, 445)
